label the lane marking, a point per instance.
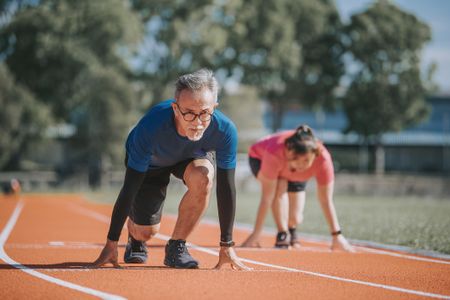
(383, 252)
(163, 237)
(323, 241)
(3, 256)
(326, 243)
(272, 249)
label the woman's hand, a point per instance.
(340, 243)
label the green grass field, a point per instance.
(412, 222)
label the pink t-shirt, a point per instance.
(270, 150)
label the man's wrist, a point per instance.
(227, 244)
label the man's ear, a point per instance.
(174, 108)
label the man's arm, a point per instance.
(131, 185)
(226, 202)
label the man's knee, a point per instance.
(200, 179)
(143, 232)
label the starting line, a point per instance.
(103, 218)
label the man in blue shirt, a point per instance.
(177, 137)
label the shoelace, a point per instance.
(137, 246)
(181, 247)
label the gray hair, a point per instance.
(196, 81)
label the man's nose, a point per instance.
(197, 121)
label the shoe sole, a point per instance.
(187, 266)
(135, 260)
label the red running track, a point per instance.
(46, 242)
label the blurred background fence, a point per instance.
(388, 185)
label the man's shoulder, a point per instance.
(159, 114)
(224, 123)
(163, 106)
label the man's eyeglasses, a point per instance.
(190, 116)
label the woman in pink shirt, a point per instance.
(282, 163)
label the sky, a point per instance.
(436, 13)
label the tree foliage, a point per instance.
(75, 59)
(72, 56)
(22, 118)
(386, 93)
(181, 36)
(288, 50)
(49, 45)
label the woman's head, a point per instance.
(301, 148)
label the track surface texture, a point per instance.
(47, 242)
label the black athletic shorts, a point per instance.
(293, 186)
(148, 204)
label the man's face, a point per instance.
(193, 112)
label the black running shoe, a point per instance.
(177, 255)
(294, 242)
(282, 240)
(135, 251)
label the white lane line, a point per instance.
(216, 253)
(325, 242)
(273, 249)
(382, 252)
(3, 256)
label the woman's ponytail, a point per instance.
(302, 141)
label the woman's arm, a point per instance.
(325, 195)
(268, 189)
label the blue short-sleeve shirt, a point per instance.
(154, 142)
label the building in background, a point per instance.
(424, 148)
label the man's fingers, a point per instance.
(102, 260)
(219, 265)
(98, 263)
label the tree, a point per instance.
(60, 49)
(182, 36)
(288, 50)
(47, 46)
(386, 93)
(101, 118)
(22, 119)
